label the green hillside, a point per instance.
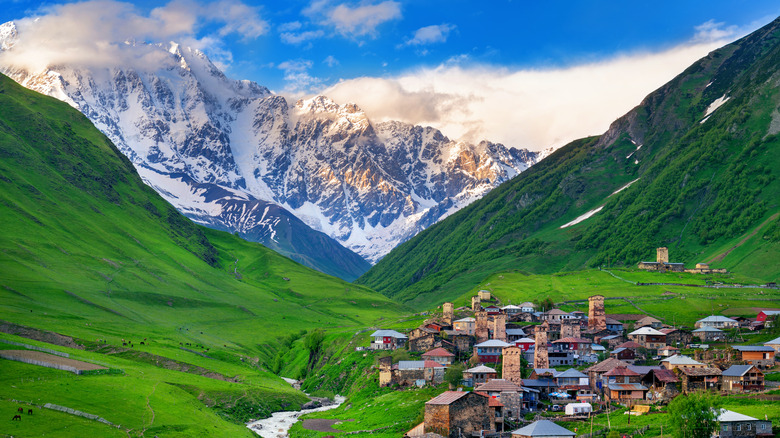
(706, 187)
(90, 252)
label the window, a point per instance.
(738, 427)
(725, 427)
(748, 427)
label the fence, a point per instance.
(79, 413)
(36, 348)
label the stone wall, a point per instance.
(470, 413)
(512, 367)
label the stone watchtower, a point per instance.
(541, 359)
(513, 366)
(449, 311)
(385, 371)
(499, 327)
(570, 328)
(662, 255)
(597, 319)
(481, 330)
(476, 303)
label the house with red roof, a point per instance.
(439, 355)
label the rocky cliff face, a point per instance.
(210, 144)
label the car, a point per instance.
(556, 408)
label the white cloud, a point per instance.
(522, 108)
(437, 33)
(714, 31)
(331, 61)
(354, 21)
(301, 37)
(93, 33)
(299, 81)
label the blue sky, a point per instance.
(391, 53)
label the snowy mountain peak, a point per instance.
(8, 34)
(218, 148)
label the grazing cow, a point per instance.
(142, 343)
(20, 409)
(29, 412)
(17, 417)
(124, 344)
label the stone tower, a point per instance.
(570, 328)
(499, 327)
(512, 368)
(449, 311)
(481, 330)
(597, 319)
(541, 360)
(662, 254)
(385, 371)
(476, 304)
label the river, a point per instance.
(279, 423)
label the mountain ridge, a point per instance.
(363, 184)
(697, 152)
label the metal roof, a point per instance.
(572, 340)
(737, 370)
(469, 319)
(543, 428)
(646, 331)
(707, 328)
(571, 372)
(481, 369)
(493, 343)
(597, 347)
(775, 341)
(539, 383)
(388, 334)
(727, 416)
(525, 341)
(716, 318)
(629, 344)
(447, 397)
(515, 332)
(411, 364)
(752, 348)
(679, 359)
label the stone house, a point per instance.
(774, 344)
(648, 321)
(508, 393)
(648, 337)
(677, 337)
(478, 375)
(679, 360)
(733, 424)
(557, 315)
(423, 339)
(762, 356)
(466, 325)
(662, 383)
(453, 414)
(414, 372)
(743, 378)
(514, 334)
(596, 373)
(698, 379)
(668, 351)
(439, 355)
(709, 334)
(612, 340)
(577, 345)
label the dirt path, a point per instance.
(149, 406)
(720, 257)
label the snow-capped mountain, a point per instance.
(224, 152)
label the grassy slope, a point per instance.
(89, 251)
(702, 188)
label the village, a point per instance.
(515, 364)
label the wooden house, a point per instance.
(743, 378)
(759, 355)
(699, 379)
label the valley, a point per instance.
(178, 249)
